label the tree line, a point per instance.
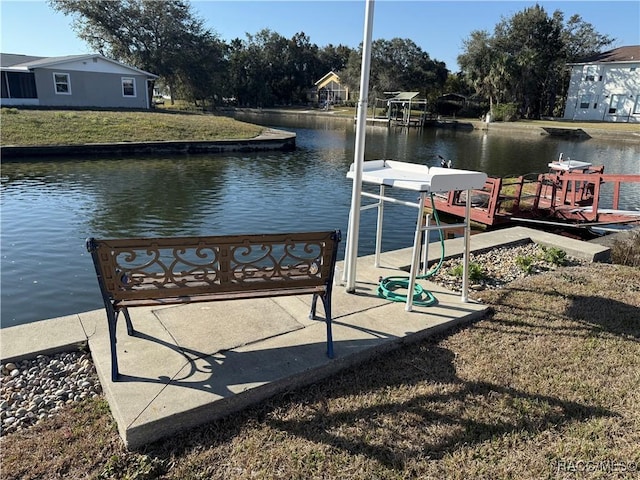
(520, 67)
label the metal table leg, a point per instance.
(415, 259)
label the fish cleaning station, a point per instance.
(423, 180)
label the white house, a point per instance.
(73, 81)
(606, 87)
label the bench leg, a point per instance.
(112, 319)
(130, 330)
(312, 313)
(326, 302)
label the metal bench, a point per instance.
(140, 272)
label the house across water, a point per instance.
(606, 87)
(75, 81)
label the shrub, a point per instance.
(525, 262)
(627, 251)
(505, 112)
(475, 271)
(555, 256)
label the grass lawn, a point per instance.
(544, 387)
(70, 127)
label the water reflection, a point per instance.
(50, 207)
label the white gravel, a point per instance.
(32, 390)
(499, 266)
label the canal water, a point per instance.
(49, 207)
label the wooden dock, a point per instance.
(567, 198)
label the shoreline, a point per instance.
(272, 139)
(269, 139)
(572, 129)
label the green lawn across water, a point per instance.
(23, 127)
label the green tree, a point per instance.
(530, 50)
(523, 62)
(301, 70)
(157, 36)
(396, 65)
(254, 63)
(203, 75)
(333, 58)
(580, 38)
(455, 83)
(268, 69)
(482, 66)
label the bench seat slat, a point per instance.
(250, 287)
(212, 297)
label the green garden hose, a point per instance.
(421, 297)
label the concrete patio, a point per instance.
(190, 364)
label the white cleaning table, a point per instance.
(424, 180)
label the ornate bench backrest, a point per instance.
(153, 268)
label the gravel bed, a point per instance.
(32, 390)
(499, 266)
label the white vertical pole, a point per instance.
(351, 254)
(467, 248)
(379, 223)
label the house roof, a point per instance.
(622, 54)
(405, 96)
(327, 76)
(10, 61)
(452, 97)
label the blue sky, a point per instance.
(438, 27)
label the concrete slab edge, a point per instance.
(270, 139)
(139, 436)
(62, 348)
(46, 337)
(486, 241)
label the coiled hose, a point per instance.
(421, 297)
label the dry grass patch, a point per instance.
(71, 127)
(625, 250)
(544, 388)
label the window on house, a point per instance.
(636, 106)
(590, 73)
(128, 87)
(616, 103)
(18, 85)
(62, 83)
(585, 100)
